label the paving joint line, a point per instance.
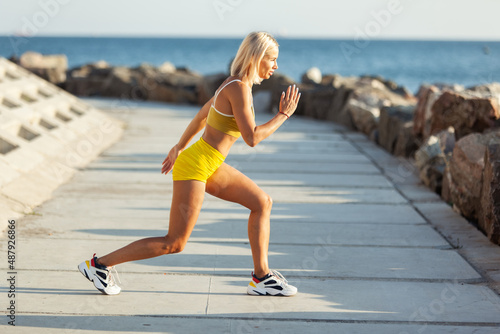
(479, 270)
(471, 281)
(337, 321)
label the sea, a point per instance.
(409, 63)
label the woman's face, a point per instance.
(269, 63)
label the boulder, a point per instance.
(312, 76)
(167, 67)
(406, 143)
(489, 215)
(50, 67)
(144, 82)
(432, 158)
(490, 89)
(277, 84)
(208, 85)
(365, 117)
(120, 83)
(316, 102)
(466, 169)
(426, 96)
(87, 80)
(396, 124)
(351, 101)
(179, 87)
(464, 111)
(262, 101)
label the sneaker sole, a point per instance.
(83, 269)
(254, 292)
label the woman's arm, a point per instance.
(196, 125)
(251, 133)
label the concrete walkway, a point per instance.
(351, 228)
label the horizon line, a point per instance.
(278, 36)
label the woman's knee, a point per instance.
(265, 202)
(173, 246)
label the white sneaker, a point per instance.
(101, 276)
(273, 284)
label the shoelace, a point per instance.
(111, 276)
(279, 276)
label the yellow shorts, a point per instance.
(197, 162)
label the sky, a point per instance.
(350, 19)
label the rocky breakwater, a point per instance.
(379, 108)
(145, 82)
(49, 67)
(458, 158)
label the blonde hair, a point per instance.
(250, 54)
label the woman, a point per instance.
(201, 168)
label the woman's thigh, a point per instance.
(230, 184)
(186, 205)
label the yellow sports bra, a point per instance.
(222, 122)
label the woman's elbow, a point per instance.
(251, 140)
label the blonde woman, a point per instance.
(200, 168)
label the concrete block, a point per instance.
(45, 133)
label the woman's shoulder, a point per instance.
(234, 87)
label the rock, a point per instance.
(426, 96)
(87, 80)
(329, 80)
(432, 158)
(145, 82)
(364, 117)
(312, 76)
(464, 112)
(406, 143)
(392, 86)
(101, 64)
(491, 89)
(395, 124)
(208, 85)
(179, 87)
(446, 186)
(350, 101)
(167, 67)
(262, 101)
(466, 169)
(489, 216)
(50, 67)
(316, 102)
(121, 83)
(277, 84)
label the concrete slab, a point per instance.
(279, 191)
(300, 145)
(418, 193)
(315, 260)
(471, 243)
(300, 178)
(143, 165)
(336, 195)
(361, 300)
(225, 297)
(234, 229)
(144, 210)
(300, 156)
(153, 175)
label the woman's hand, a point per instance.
(169, 161)
(289, 100)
